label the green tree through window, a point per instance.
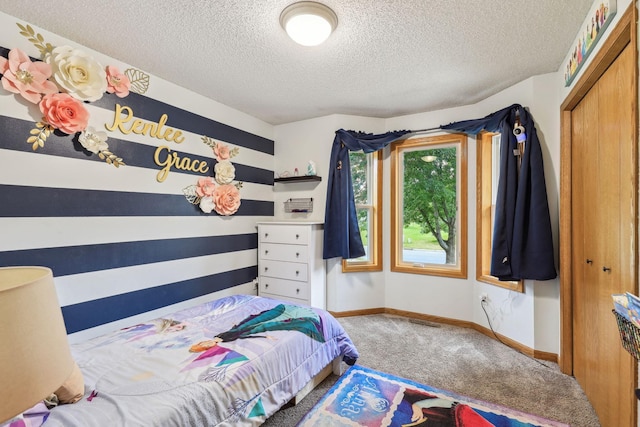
(366, 177)
(428, 212)
(359, 178)
(429, 195)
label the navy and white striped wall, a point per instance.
(124, 247)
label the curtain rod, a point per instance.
(425, 130)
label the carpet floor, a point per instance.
(458, 359)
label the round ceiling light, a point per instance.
(308, 23)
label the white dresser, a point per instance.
(290, 262)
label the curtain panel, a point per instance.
(341, 231)
(522, 246)
(522, 240)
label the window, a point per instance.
(487, 174)
(429, 205)
(366, 174)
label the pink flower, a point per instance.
(117, 82)
(26, 78)
(227, 199)
(205, 187)
(221, 151)
(64, 112)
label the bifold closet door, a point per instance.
(603, 230)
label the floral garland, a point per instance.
(60, 85)
(219, 194)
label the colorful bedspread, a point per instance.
(229, 362)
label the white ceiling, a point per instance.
(386, 58)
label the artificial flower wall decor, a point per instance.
(66, 79)
(60, 84)
(220, 193)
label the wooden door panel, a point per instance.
(626, 165)
(579, 257)
(618, 116)
(604, 216)
(585, 199)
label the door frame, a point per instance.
(623, 34)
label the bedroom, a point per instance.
(126, 210)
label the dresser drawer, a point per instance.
(285, 298)
(290, 264)
(283, 288)
(284, 270)
(292, 234)
(281, 252)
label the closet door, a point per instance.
(585, 215)
(604, 239)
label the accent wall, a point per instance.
(142, 198)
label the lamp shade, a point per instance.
(35, 358)
(308, 23)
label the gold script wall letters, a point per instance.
(172, 159)
(122, 121)
(123, 116)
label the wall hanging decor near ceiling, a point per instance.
(59, 85)
(593, 27)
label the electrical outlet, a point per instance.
(484, 298)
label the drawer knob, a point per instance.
(298, 291)
(266, 285)
(297, 254)
(266, 268)
(266, 235)
(266, 252)
(297, 236)
(297, 272)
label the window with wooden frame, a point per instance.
(429, 205)
(366, 175)
(487, 175)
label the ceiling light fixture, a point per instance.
(308, 23)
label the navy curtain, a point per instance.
(522, 240)
(341, 231)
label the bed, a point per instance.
(229, 362)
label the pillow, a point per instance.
(72, 389)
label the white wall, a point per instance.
(531, 318)
(511, 313)
(296, 144)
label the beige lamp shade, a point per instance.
(35, 358)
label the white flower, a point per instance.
(93, 140)
(77, 73)
(225, 172)
(207, 204)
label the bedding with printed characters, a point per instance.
(233, 361)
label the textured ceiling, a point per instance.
(385, 59)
